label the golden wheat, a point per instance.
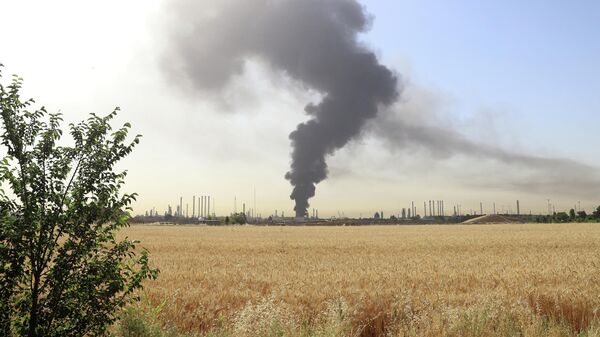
(517, 280)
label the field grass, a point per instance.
(478, 280)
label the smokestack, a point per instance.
(180, 206)
(208, 206)
(424, 208)
(481, 208)
(193, 206)
(518, 208)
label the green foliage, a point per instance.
(561, 217)
(238, 219)
(572, 215)
(62, 270)
(134, 323)
(596, 213)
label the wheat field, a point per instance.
(478, 280)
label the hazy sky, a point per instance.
(500, 102)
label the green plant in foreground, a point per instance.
(62, 270)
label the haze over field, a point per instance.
(494, 102)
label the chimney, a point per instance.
(194, 207)
(208, 206)
(518, 208)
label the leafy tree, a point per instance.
(572, 214)
(582, 214)
(561, 217)
(238, 218)
(596, 213)
(63, 272)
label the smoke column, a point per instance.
(312, 41)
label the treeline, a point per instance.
(564, 217)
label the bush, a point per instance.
(62, 270)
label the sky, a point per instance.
(510, 89)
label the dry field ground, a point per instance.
(478, 280)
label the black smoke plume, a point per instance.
(314, 42)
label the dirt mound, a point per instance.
(491, 219)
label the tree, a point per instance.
(238, 218)
(63, 272)
(596, 213)
(572, 214)
(561, 217)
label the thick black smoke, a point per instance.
(313, 41)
